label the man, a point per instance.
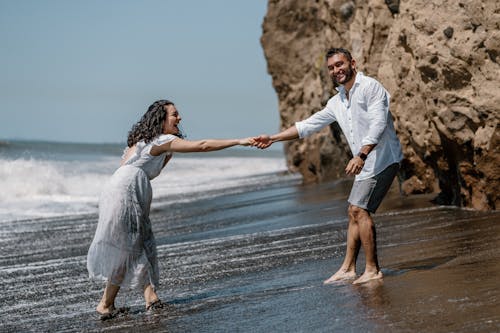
(362, 110)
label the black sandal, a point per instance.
(156, 305)
(112, 314)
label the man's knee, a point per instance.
(355, 212)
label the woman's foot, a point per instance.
(106, 312)
(152, 300)
(110, 312)
(155, 305)
(106, 307)
(102, 308)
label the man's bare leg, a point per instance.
(107, 303)
(348, 269)
(368, 238)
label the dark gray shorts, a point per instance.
(368, 193)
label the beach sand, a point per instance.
(255, 262)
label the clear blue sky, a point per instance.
(85, 71)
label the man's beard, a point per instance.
(349, 73)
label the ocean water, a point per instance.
(46, 179)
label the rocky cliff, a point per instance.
(439, 61)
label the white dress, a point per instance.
(123, 250)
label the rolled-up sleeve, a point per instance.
(315, 122)
(378, 110)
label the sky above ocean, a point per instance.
(85, 71)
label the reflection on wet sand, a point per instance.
(441, 275)
(255, 262)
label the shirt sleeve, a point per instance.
(163, 138)
(315, 122)
(378, 109)
(125, 151)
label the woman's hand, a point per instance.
(246, 141)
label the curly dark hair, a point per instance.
(151, 123)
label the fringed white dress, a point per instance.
(123, 250)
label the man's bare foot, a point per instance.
(366, 277)
(341, 275)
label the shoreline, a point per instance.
(255, 261)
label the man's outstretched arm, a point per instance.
(263, 141)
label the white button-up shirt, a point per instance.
(365, 119)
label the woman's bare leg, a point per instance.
(107, 303)
(150, 295)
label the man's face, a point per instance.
(340, 69)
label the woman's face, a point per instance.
(171, 121)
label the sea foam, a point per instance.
(35, 187)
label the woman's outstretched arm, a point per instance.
(185, 146)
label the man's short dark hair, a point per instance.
(336, 50)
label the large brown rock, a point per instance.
(439, 60)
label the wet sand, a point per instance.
(255, 262)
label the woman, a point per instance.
(123, 251)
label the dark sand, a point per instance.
(255, 262)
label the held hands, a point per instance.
(354, 166)
(246, 141)
(262, 141)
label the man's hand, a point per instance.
(354, 166)
(262, 141)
